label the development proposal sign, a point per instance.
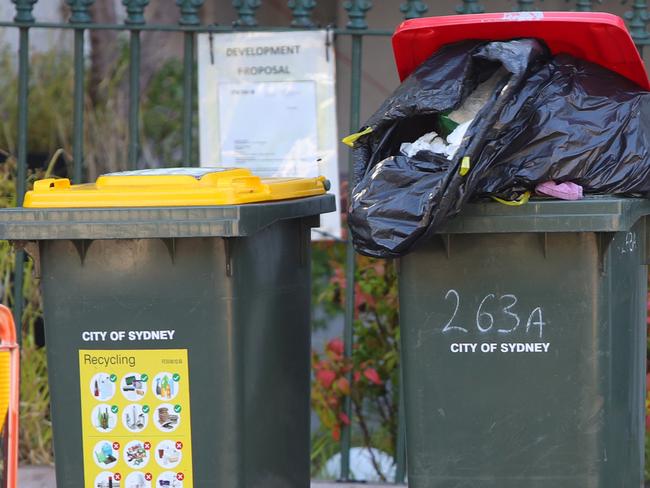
(267, 102)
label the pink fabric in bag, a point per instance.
(563, 191)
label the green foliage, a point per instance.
(35, 424)
(50, 102)
(50, 113)
(370, 378)
(162, 113)
(323, 253)
(323, 447)
(105, 120)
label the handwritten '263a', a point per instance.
(510, 320)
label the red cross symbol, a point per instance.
(179, 445)
(117, 476)
(116, 446)
(180, 476)
(147, 445)
(148, 476)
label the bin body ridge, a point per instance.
(524, 358)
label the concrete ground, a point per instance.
(36, 477)
(43, 477)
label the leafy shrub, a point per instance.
(370, 377)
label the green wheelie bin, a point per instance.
(177, 311)
(523, 329)
(524, 347)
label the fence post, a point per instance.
(357, 10)
(637, 19)
(189, 16)
(584, 5)
(24, 18)
(400, 448)
(525, 5)
(470, 7)
(80, 15)
(411, 9)
(134, 16)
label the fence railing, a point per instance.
(356, 27)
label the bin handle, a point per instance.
(352, 138)
(514, 203)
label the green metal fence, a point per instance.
(355, 27)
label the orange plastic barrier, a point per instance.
(9, 394)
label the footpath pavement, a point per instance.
(43, 477)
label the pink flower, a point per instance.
(326, 377)
(344, 385)
(372, 375)
(336, 346)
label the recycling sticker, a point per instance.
(135, 407)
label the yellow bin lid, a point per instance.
(172, 187)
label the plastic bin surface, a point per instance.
(595, 36)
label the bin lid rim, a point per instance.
(598, 37)
(172, 187)
(90, 223)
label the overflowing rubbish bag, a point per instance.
(525, 118)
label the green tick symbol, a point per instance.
(144, 378)
(177, 408)
(115, 409)
(145, 408)
(176, 377)
(113, 378)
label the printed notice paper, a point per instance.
(267, 102)
(255, 142)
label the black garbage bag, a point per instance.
(549, 119)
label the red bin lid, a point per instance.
(597, 37)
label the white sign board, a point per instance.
(267, 102)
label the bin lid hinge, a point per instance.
(82, 246)
(446, 244)
(646, 243)
(544, 237)
(170, 244)
(33, 251)
(228, 257)
(603, 241)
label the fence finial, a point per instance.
(135, 11)
(412, 9)
(584, 5)
(637, 20)
(246, 12)
(470, 7)
(24, 10)
(190, 11)
(357, 13)
(302, 12)
(525, 5)
(80, 13)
